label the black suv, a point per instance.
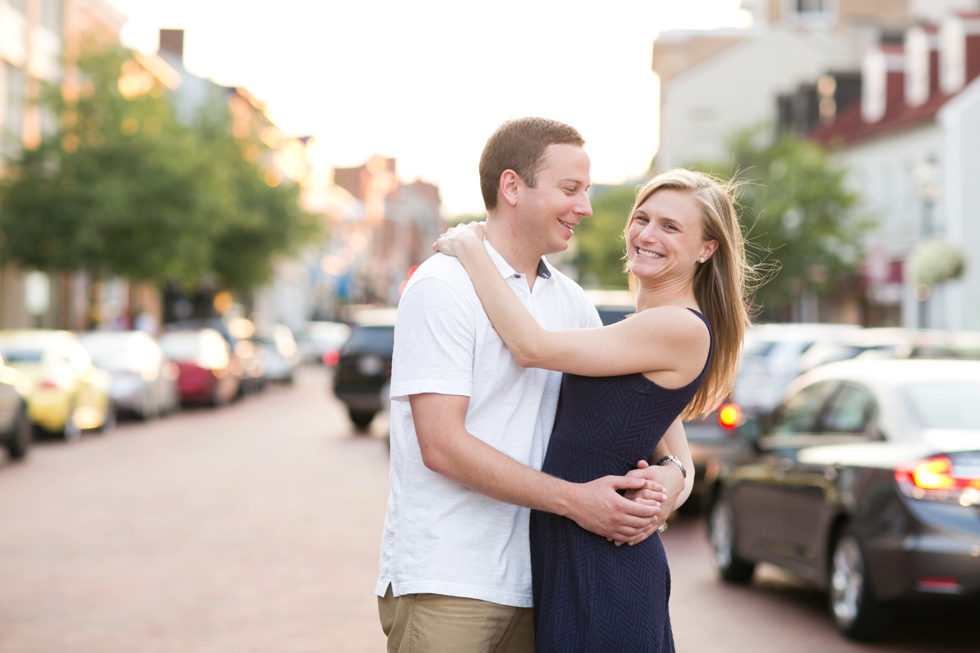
(364, 369)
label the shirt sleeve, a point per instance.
(589, 314)
(434, 342)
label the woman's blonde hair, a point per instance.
(720, 283)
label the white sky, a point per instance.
(427, 81)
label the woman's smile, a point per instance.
(648, 253)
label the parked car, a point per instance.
(144, 382)
(613, 305)
(364, 366)
(68, 393)
(893, 343)
(246, 362)
(320, 342)
(16, 431)
(278, 353)
(206, 365)
(865, 479)
(771, 360)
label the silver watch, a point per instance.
(676, 461)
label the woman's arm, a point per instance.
(655, 340)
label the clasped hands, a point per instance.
(629, 518)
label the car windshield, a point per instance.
(758, 349)
(376, 339)
(111, 353)
(181, 346)
(946, 405)
(20, 355)
(610, 315)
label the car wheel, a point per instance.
(20, 437)
(721, 534)
(109, 421)
(149, 409)
(361, 418)
(217, 400)
(150, 413)
(71, 432)
(855, 610)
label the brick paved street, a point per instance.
(256, 529)
(778, 614)
(252, 528)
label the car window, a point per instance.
(610, 315)
(850, 410)
(372, 339)
(798, 414)
(15, 354)
(949, 405)
(77, 355)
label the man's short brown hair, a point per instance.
(519, 145)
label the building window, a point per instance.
(804, 7)
(13, 122)
(52, 14)
(810, 11)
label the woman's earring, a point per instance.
(702, 259)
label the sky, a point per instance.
(427, 81)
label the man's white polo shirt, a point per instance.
(440, 537)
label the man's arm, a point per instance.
(448, 449)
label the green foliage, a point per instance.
(121, 187)
(466, 218)
(797, 214)
(599, 239)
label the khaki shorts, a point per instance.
(433, 623)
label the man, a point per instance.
(470, 427)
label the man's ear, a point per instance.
(509, 188)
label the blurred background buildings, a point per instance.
(380, 227)
(890, 87)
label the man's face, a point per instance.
(551, 210)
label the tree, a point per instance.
(121, 187)
(797, 214)
(599, 239)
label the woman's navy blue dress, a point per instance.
(591, 596)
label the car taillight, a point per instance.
(331, 357)
(730, 416)
(938, 479)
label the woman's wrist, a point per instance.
(468, 247)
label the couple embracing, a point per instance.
(524, 512)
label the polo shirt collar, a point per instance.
(544, 268)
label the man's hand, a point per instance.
(667, 482)
(600, 509)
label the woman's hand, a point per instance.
(457, 237)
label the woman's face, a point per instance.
(665, 237)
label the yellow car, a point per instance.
(68, 394)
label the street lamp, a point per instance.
(926, 179)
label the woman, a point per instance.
(624, 385)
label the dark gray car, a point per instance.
(865, 480)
